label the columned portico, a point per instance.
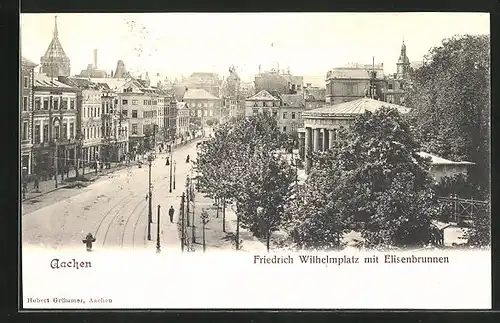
(331, 137)
(316, 139)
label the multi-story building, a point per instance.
(55, 62)
(314, 96)
(262, 102)
(91, 129)
(26, 114)
(278, 83)
(55, 118)
(183, 120)
(203, 106)
(357, 81)
(114, 130)
(352, 82)
(139, 105)
(171, 119)
(209, 82)
(290, 112)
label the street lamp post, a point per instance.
(174, 174)
(158, 232)
(150, 213)
(55, 161)
(171, 162)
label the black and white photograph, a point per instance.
(266, 148)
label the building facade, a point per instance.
(55, 124)
(55, 62)
(315, 97)
(26, 100)
(262, 103)
(209, 82)
(183, 120)
(290, 112)
(203, 105)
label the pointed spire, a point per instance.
(55, 27)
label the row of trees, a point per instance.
(242, 164)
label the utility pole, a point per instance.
(182, 222)
(158, 232)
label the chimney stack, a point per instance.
(95, 58)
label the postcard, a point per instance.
(255, 161)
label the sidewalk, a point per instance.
(48, 186)
(215, 238)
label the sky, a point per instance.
(176, 44)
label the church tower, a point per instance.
(55, 62)
(403, 64)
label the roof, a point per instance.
(113, 83)
(27, 62)
(436, 160)
(356, 71)
(263, 95)
(55, 50)
(182, 105)
(42, 80)
(293, 79)
(293, 100)
(198, 94)
(353, 108)
(315, 94)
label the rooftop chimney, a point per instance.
(95, 58)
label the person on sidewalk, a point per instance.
(171, 213)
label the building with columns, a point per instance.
(26, 113)
(55, 62)
(321, 125)
(55, 124)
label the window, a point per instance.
(125, 113)
(64, 104)
(275, 113)
(25, 130)
(255, 111)
(64, 134)
(199, 113)
(25, 103)
(38, 103)
(145, 102)
(211, 113)
(206, 113)
(55, 104)
(103, 108)
(134, 128)
(390, 86)
(116, 101)
(293, 115)
(134, 102)
(57, 132)
(124, 102)
(37, 134)
(284, 115)
(71, 130)
(284, 128)
(72, 104)
(255, 104)
(25, 82)
(45, 132)
(45, 104)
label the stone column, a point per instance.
(331, 137)
(30, 155)
(316, 139)
(326, 146)
(307, 150)
(41, 131)
(301, 145)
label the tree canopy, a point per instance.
(450, 97)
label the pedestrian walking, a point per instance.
(171, 213)
(37, 184)
(167, 163)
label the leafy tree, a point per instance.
(373, 175)
(450, 95)
(267, 194)
(479, 234)
(457, 185)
